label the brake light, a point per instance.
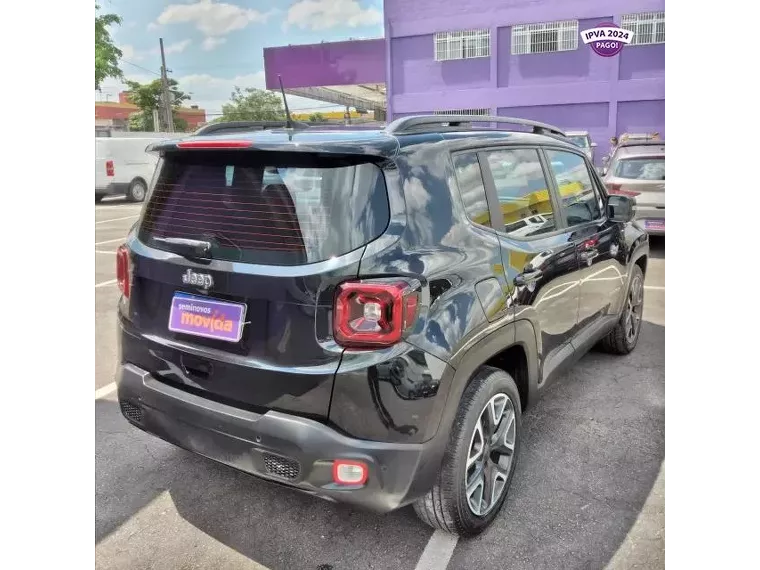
(349, 472)
(214, 144)
(617, 189)
(123, 270)
(109, 168)
(372, 314)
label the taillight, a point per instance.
(123, 270)
(617, 189)
(372, 314)
(109, 168)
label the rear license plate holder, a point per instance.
(207, 317)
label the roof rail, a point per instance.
(237, 126)
(432, 123)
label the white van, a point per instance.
(122, 167)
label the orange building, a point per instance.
(113, 114)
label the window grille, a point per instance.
(462, 44)
(545, 38)
(647, 27)
(480, 112)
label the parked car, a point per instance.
(630, 138)
(637, 170)
(374, 333)
(583, 140)
(123, 167)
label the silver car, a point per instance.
(637, 169)
(583, 140)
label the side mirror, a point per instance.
(620, 208)
(593, 145)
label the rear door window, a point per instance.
(522, 191)
(579, 199)
(266, 207)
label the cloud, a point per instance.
(211, 18)
(212, 43)
(129, 53)
(325, 14)
(176, 47)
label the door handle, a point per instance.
(522, 279)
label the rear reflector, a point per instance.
(214, 144)
(372, 314)
(109, 168)
(349, 472)
(123, 270)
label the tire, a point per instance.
(99, 198)
(137, 190)
(446, 505)
(620, 340)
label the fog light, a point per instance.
(349, 472)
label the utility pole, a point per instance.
(166, 96)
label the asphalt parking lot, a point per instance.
(588, 492)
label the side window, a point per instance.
(523, 192)
(580, 200)
(470, 180)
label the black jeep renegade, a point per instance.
(365, 315)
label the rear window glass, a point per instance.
(580, 141)
(641, 169)
(265, 207)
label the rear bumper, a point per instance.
(282, 448)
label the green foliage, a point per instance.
(252, 104)
(317, 118)
(106, 53)
(148, 98)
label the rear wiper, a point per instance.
(188, 247)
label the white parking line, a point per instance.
(115, 220)
(109, 241)
(438, 551)
(102, 251)
(654, 287)
(105, 390)
(104, 283)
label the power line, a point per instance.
(141, 67)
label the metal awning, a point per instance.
(371, 97)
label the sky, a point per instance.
(211, 46)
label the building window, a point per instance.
(545, 38)
(647, 27)
(479, 112)
(462, 45)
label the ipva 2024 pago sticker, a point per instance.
(607, 39)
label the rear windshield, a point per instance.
(580, 141)
(641, 169)
(270, 208)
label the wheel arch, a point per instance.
(512, 348)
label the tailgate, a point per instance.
(235, 264)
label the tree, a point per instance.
(106, 53)
(317, 118)
(148, 98)
(252, 104)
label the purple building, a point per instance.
(522, 58)
(525, 58)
